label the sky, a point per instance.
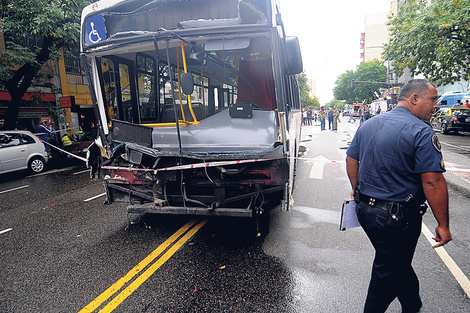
(329, 33)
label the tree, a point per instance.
(343, 89)
(339, 104)
(34, 32)
(432, 39)
(305, 98)
(373, 71)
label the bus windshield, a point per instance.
(222, 77)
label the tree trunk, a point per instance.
(21, 81)
(13, 111)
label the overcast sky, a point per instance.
(329, 33)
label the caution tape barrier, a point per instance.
(66, 152)
(214, 164)
(188, 166)
(457, 170)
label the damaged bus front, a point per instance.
(197, 104)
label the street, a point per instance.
(63, 250)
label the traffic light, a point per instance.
(352, 83)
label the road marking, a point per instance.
(449, 262)
(87, 170)
(95, 197)
(13, 189)
(448, 144)
(316, 172)
(51, 172)
(5, 230)
(318, 165)
(141, 266)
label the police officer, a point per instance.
(394, 164)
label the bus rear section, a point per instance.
(199, 112)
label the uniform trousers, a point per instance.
(392, 274)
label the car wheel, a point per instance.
(36, 165)
(444, 128)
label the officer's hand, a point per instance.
(352, 194)
(443, 236)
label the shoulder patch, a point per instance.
(436, 143)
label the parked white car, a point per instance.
(20, 150)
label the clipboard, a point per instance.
(348, 216)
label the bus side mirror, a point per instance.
(294, 57)
(187, 83)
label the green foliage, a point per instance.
(33, 27)
(305, 98)
(373, 71)
(432, 39)
(339, 104)
(34, 31)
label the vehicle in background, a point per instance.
(451, 119)
(21, 150)
(228, 146)
(80, 146)
(356, 110)
(376, 104)
(466, 99)
(450, 99)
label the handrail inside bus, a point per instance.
(189, 96)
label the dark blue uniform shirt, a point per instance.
(393, 149)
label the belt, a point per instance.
(386, 205)
(373, 202)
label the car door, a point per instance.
(13, 154)
(435, 119)
(441, 117)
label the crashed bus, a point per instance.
(197, 104)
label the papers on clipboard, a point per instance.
(348, 215)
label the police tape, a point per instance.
(225, 163)
(458, 170)
(188, 166)
(66, 152)
(215, 164)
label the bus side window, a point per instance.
(146, 85)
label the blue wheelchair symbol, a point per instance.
(95, 31)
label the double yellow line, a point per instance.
(111, 305)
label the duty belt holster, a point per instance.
(397, 213)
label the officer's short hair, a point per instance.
(417, 86)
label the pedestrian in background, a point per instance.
(44, 133)
(322, 116)
(335, 118)
(394, 164)
(309, 117)
(330, 118)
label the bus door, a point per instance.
(118, 89)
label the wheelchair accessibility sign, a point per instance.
(95, 31)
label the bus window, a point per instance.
(129, 113)
(148, 106)
(109, 89)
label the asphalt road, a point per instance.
(62, 250)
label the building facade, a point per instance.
(62, 96)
